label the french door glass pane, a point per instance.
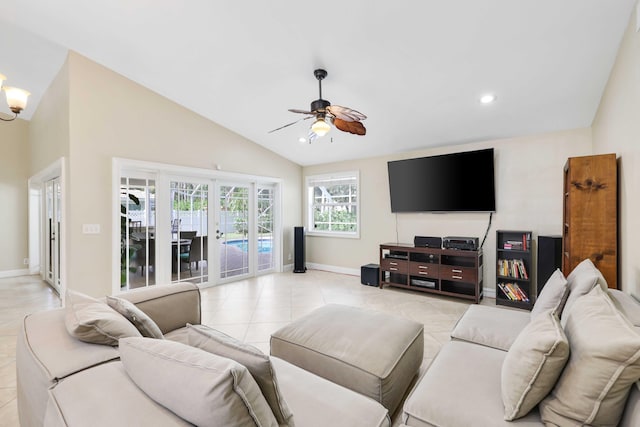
(234, 229)
(137, 232)
(189, 232)
(265, 202)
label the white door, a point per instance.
(234, 229)
(53, 210)
(189, 199)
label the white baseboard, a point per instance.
(334, 269)
(287, 268)
(14, 273)
(489, 292)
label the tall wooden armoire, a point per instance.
(590, 214)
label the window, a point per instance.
(333, 205)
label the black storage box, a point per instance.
(369, 274)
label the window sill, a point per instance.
(355, 235)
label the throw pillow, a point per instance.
(533, 364)
(139, 318)
(581, 280)
(200, 387)
(551, 296)
(93, 321)
(603, 365)
(258, 364)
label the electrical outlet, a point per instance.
(289, 256)
(90, 228)
(25, 261)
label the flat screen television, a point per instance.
(458, 182)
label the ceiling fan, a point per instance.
(325, 114)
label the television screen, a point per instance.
(459, 182)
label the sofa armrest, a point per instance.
(170, 306)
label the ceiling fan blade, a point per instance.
(345, 113)
(354, 127)
(295, 110)
(289, 124)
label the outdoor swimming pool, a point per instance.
(264, 245)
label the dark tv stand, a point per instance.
(449, 272)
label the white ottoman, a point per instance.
(372, 353)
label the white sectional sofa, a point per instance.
(579, 356)
(64, 381)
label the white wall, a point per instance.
(616, 129)
(529, 175)
(14, 172)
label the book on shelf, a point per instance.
(513, 292)
(523, 244)
(512, 268)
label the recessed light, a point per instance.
(488, 98)
(301, 139)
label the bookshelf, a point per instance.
(514, 269)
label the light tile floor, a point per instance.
(249, 310)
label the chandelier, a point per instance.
(16, 98)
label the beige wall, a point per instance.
(111, 116)
(616, 129)
(529, 174)
(49, 126)
(14, 172)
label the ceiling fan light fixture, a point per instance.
(320, 127)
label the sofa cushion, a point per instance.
(553, 296)
(93, 321)
(627, 305)
(45, 354)
(581, 280)
(140, 320)
(258, 364)
(490, 326)
(200, 387)
(533, 364)
(603, 365)
(104, 396)
(317, 402)
(461, 388)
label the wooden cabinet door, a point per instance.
(590, 228)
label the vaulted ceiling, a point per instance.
(416, 68)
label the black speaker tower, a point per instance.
(298, 248)
(549, 258)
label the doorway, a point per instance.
(53, 230)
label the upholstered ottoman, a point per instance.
(372, 353)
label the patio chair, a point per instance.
(198, 251)
(175, 225)
(141, 254)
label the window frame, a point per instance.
(309, 181)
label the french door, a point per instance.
(189, 230)
(193, 228)
(53, 216)
(233, 229)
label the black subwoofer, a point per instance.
(549, 258)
